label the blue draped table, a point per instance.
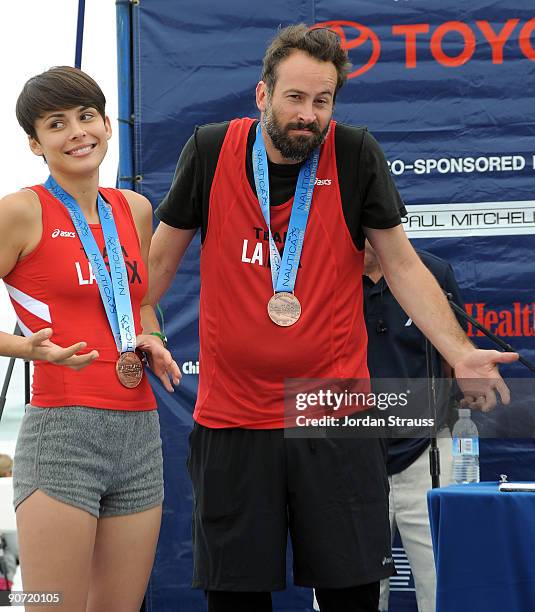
(484, 546)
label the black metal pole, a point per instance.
(26, 383)
(5, 386)
(7, 377)
(498, 341)
(434, 452)
(79, 34)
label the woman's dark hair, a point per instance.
(61, 87)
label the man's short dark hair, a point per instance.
(61, 87)
(320, 43)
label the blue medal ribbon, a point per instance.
(284, 270)
(113, 288)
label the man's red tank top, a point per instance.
(54, 286)
(244, 356)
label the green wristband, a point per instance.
(161, 336)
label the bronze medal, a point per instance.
(284, 309)
(129, 369)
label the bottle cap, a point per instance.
(464, 413)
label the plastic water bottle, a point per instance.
(465, 449)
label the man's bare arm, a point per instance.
(418, 293)
(167, 248)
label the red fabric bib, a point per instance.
(244, 356)
(54, 287)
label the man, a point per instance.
(397, 350)
(263, 319)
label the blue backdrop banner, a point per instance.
(448, 90)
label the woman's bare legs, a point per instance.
(56, 547)
(122, 561)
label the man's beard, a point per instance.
(297, 148)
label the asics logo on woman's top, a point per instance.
(62, 234)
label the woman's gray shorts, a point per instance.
(107, 462)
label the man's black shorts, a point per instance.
(251, 486)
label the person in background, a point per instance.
(87, 477)
(397, 350)
(6, 466)
(9, 546)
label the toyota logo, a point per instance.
(354, 35)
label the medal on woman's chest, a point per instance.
(129, 369)
(112, 285)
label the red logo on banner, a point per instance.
(439, 41)
(354, 35)
(517, 321)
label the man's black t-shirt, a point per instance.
(369, 196)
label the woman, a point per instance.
(88, 483)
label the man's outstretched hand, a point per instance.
(478, 377)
